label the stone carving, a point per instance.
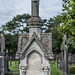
(22, 41)
(35, 48)
(46, 68)
(47, 44)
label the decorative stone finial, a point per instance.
(35, 20)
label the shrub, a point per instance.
(72, 70)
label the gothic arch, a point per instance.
(34, 50)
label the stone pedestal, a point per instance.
(2, 64)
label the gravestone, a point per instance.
(60, 62)
(64, 54)
(35, 49)
(69, 57)
(73, 59)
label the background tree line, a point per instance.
(58, 26)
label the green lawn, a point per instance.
(14, 66)
(54, 69)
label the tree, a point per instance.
(52, 27)
(11, 30)
(11, 42)
(68, 23)
(68, 18)
(71, 44)
(16, 25)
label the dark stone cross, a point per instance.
(64, 53)
(35, 7)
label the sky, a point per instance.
(11, 8)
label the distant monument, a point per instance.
(64, 54)
(3, 56)
(35, 48)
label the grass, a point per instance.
(70, 66)
(14, 66)
(54, 69)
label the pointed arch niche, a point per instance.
(34, 61)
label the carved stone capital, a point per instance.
(46, 67)
(23, 67)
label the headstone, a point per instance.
(10, 62)
(73, 59)
(7, 61)
(69, 57)
(64, 52)
(60, 62)
(62, 58)
(35, 48)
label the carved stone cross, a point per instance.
(35, 8)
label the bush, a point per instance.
(72, 70)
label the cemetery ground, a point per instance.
(54, 69)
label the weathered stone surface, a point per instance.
(46, 39)
(22, 41)
(35, 21)
(35, 8)
(64, 62)
(35, 49)
(3, 56)
(34, 65)
(69, 57)
(73, 59)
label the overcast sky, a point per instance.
(11, 8)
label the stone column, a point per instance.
(2, 55)
(66, 56)
(35, 7)
(2, 44)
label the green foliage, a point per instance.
(52, 27)
(12, 28)
(68, 23)
(71, 44)
(11, 42)
(55, 70)
(16, 25)
(72, 70)
(68, 18)
(14, 67)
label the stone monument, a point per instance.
(3, 56)
(34, 48)
(64, 54)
